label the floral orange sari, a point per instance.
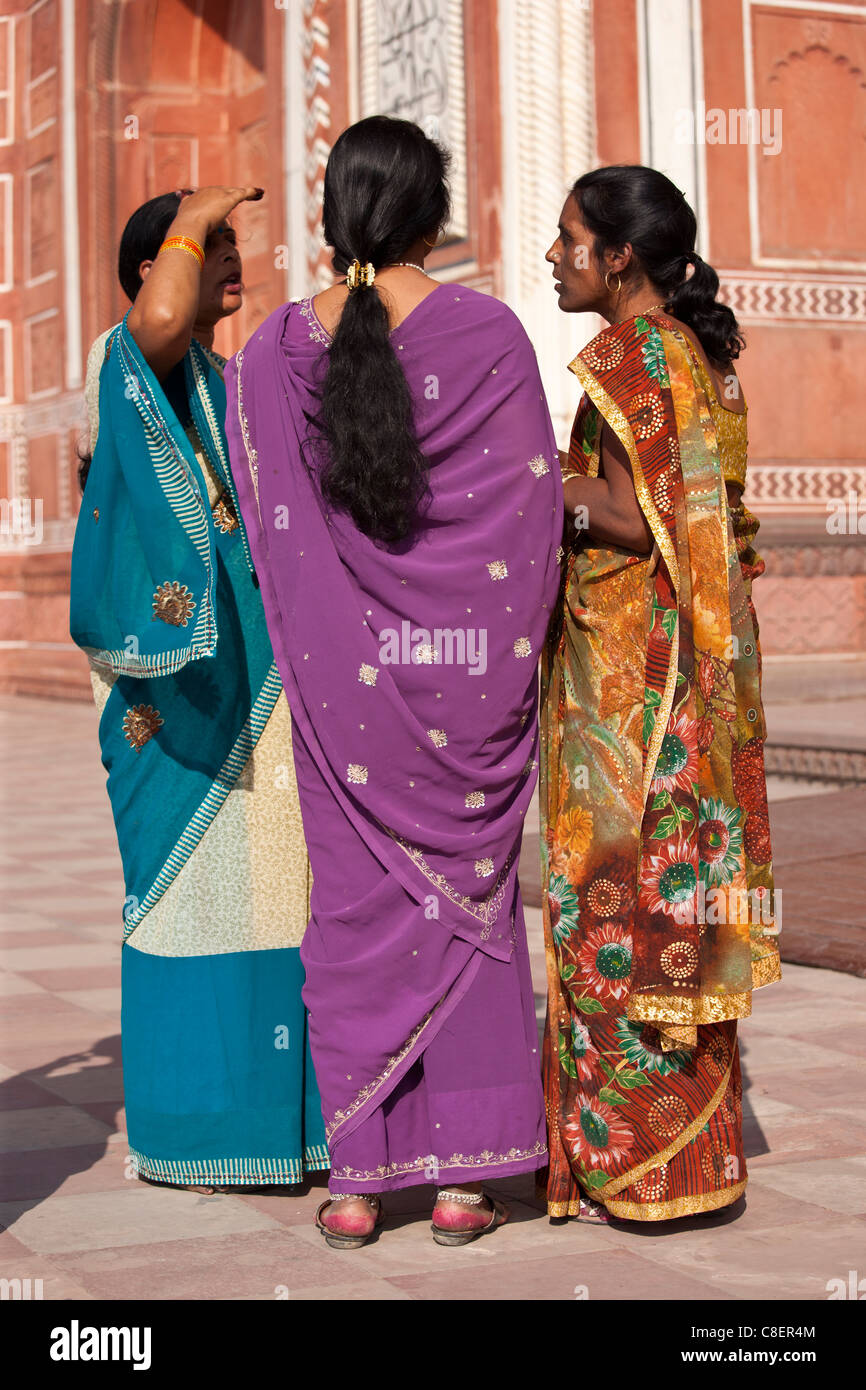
(657, 881)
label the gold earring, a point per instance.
(439, 240)
(618, 289)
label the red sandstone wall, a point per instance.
(172, 92)
(167, 94)
(786, 235)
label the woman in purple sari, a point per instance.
(396, 467)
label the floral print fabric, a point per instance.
(658, 900)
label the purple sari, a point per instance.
(412, 677)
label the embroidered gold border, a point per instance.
(615, 1185)
(706, 1008)
(486, 911)
(316, 330)
(565, 1208)
(486, 1159)
(766, 971)
(367, 1092)
(611, 412)
(615, 417)
(678, 1206)
(251, 453)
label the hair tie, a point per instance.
(360, 276)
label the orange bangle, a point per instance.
(184, 243)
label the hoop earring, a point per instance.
(618, 290)
(438, 242)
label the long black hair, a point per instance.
(385, 186)
(631, 203)
(142, 237)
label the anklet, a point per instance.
(472, 1199)
(371, 1198)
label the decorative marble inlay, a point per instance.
(788, 297)
(803, 487)
(413, 66)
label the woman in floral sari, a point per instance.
(658, 904)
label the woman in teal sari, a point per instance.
(195, 731)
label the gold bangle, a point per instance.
(184, 243)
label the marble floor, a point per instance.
(74, 1215)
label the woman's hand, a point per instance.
(205, 209)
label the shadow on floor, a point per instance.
(36, 1169)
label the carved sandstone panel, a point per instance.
(7, 94)
(43, 37)
(44, 474)
(812, 195)
(42, 206)
(41, 355)
(826, 614)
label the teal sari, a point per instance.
(195, 737)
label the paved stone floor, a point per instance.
(73, 1216)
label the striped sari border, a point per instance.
(232, 1172)
(183, 495)
(172, 469)
(221, 460)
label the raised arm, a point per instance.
(165, 311)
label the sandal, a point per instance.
(593, 1212)
(499, 1214)
(339, 1240)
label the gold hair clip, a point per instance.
(360, 276)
